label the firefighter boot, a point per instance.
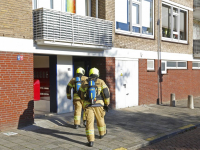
(76, 126)
(101, 136)
(90, 144)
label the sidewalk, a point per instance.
(129, 128)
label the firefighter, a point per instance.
(95, 104)
(75, 84)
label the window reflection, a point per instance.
(182, 25)
(166, 21)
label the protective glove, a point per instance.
(105, 108)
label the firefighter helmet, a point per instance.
(80, 70)
(94, 72)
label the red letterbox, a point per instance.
(36, 89)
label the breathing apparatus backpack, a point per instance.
(93, 93)
(92, 90)
(77, 83)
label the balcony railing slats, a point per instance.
(59, 26)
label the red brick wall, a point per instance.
(16, 90)
(182, 82)
(110, 79)
(106, 68)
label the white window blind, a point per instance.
(135, 14)
(81, 7)
(44, 4)
(121, 11)
(146, 13)
(57, 5)
(165, 14)
(182, 24)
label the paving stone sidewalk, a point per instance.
(128, 128)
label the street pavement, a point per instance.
(128, 128)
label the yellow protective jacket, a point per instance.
(103, 90)
(71, 85)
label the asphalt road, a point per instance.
(189, 140)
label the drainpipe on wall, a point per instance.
(97, 9)
(159, 55)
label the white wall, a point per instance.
(64, 75)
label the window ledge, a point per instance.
(134, 34)
(174, 41)
(148, 70)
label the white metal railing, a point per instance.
(57, 26)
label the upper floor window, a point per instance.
(80, 7)
(135, 17)
(174, 24)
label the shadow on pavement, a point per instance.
(126, 126)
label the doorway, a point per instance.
(126, 79)
(41, 73)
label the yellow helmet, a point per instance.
(94, 72)
(80, 70)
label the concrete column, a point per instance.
(190, 102)
(172, 100)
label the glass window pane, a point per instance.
(70, 6)
(136, 29)
(181, 64)
(147, 17)
(166, 21)
(171, 64)
(175, 36)
(175, 23)
(194, 64)
(162, 66)
(122, 15)
(182, 25)
(150, 64)
(175, 10)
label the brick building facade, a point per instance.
(127, 58)
(16, 77)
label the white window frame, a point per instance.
(176, 65)
(130, 33)
(196, 67)
(171, 39)
(35, 4)
(151, 69)
(166, 68)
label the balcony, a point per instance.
(196, 48)
(53, 27)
